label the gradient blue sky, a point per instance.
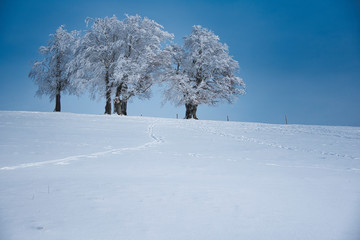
(300, 58)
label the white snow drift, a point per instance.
(71, 176)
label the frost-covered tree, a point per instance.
(201, 72)
(96, 57)
(51, 74)
(121, 56)
(140, 58)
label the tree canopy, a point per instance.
(51, 74)
(201, 71)
(128, 56)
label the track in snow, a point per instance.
(154, 140)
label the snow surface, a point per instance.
(73, 176)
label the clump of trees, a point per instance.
(125, 58)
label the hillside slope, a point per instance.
(73, 176)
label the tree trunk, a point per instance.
(57, 103)
(117, 100)
(117, 105)
(118, 90)
(191, 111)
(107, 94)
(58, 83)
(108, 102)
(124, 107)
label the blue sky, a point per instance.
(300, 58)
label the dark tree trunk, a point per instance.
(107, 95)
(117, 106)
(108, 102)
(118, 90)
(117, 101)
(124, 107)
(58, 84)
(57, 103)
(191, 111)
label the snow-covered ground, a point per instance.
(73, 176)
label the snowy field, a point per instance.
(83, 177)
